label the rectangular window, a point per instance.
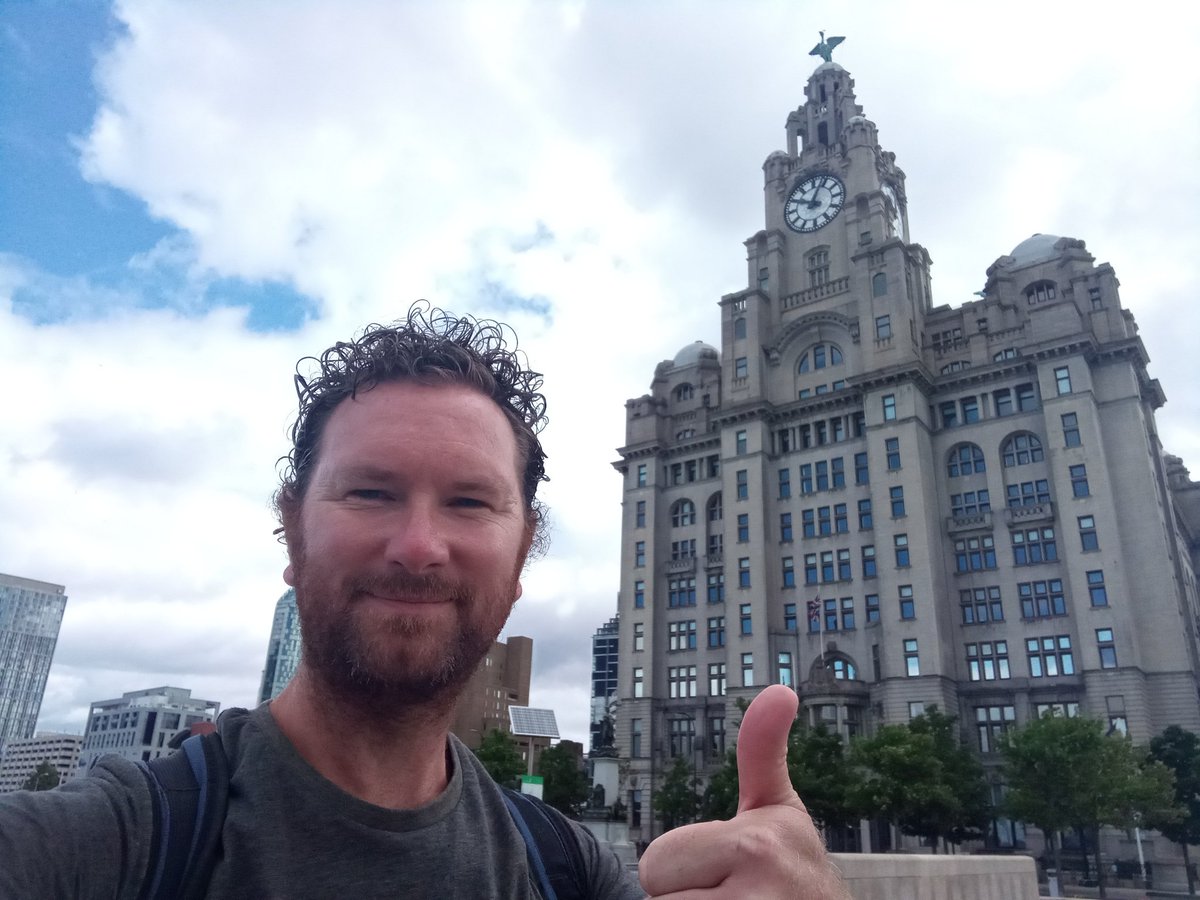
(681, 592)
(810, 568)
(747, 670)
(808, 522)
(915, 708)
(1026, 398)
(865, 521)
(991, 722)
(785, 483)
(1033, 546)
(949, 413)
(827, 566)
(883, 327)
(843, 565)
(847, 614)
(862, 474)
(1096, 589)
(682, 735)
(900, 544)
(1042, 599)
(912, 661)
(635, 737)
(822, 476)
(744, 572)
(889, 407)
(740, 443)
(785, 527)
(824, 521)
(681, 681)
(681, 635)
(639, 636)
(981, 605)
(639, 554)
(1062, 380)
(740, 367)
(806, 479)
(1096, 299)
(1027, 493)
(785, 668)
(970, 410)
(1079, 482)
(868, 561)
(789, 617)
(1107, 647)
(1066, 710)
(716, 679)
(789, 572)
(831, 617)
(892, 447)
(1050, 657)
(1002, 400)
(970, 503)
(639, 516)
(716, 546)
(716, 586)
(743, 484)
(743, 528)
(1087, 534)
(685, 549)
(716, 631)
(639, 594)
(975, 554)
(908, 609)
(872, 606)
(639, 678)
(841, 523)
(897, 497)
(716, 728)
(641, 475)
(988, 661)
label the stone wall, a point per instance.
(901, 876)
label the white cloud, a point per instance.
(600, 158)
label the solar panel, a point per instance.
(529, 722)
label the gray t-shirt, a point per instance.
(289, 834)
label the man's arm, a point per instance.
(770, 849)
(87, 839)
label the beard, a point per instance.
(396, 662)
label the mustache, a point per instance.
(406, 586)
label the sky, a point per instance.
(195, 195)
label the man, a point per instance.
(408, 507)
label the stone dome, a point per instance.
(1035, 249)
(694, 353)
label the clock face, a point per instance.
(894, 211)
(814, 202)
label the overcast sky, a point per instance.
(195, 195)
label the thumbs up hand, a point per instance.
(770, 849)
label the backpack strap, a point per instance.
(550, 845)
(189, 792)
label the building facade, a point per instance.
(889, 504)
(22, 756)
(139, 725)
(500, 681)
(605, 643)
(31, 614)
(283, 648)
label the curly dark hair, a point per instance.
(429, 346)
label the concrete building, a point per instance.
(501, 681)
(605, 643)
(30, 616)
(283, 648)
(888, 503)
(22, 756)
(139, 724)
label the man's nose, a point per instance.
(416, 540)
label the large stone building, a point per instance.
(890, 504)
(22, 756)
(31, 614)
(139, 725)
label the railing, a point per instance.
(970, 522)
(808, 295)
(1034, 513)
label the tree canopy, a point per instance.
(43, 778)
(1179, 751)
(499, 754)
(677, 801)
(566, 785)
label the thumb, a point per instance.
(762, 750)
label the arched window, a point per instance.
(879, 284)
(683, 392)
(820, 356)
(1006, 353)
(739, 328)
(683, 513)
(966, 459)
(1021, 450)
(1041, 291)
(842, 667)
(714, 508)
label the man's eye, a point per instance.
(369, 494)
(468, 502)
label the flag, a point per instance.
(814, 610)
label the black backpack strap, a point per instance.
(189, 792)
(551, 846)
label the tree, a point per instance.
(720, 800)
(1066, 773)
(566, 786)
(44, 778)
(1179, 751)
(500, 756)
(920, 777)
(822, 776)
(677, 801)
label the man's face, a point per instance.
(407, 549)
